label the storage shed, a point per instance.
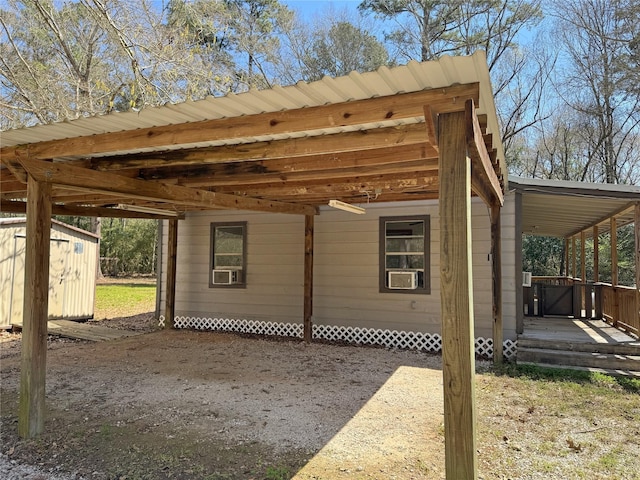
(72, 271)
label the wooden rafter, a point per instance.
(21, 207)
(291, 148)
(389, 155)
(82, 178)
(484, 180)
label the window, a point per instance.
(228, 254)
(404, 254)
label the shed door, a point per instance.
(57, 269)
(57, 277)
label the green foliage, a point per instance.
(277, 473)
(124, 299)
(132, 242)
(580, 377)
(428, 29)
(542, 256)
(341, 50)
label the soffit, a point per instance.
(562, 209)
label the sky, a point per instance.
(310, 7)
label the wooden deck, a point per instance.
(84, 331)
(562, 329)
(578, 343)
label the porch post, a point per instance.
(566, 257)
(574, 258)
(596, 255)
(36, 310)
(583, 257)
(172, 253)
(496, 270)
(456, 298)
(614, 251)
(614, 269)
(636, 230)
(309, 221)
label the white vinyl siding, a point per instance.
(346, 270)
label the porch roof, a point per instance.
(555, 208)
(358, 138)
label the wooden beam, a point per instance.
(614, 251)
(431, 122)
(596, 255)
(333, 145)
(361, 185)
(35, 311)
(170, 294)
(483, 176)
(298, 168)
(368, 111)
(308, 277)
(605, 219)
(456, 297)
(82, 178)
(21, 207)
(496, 276)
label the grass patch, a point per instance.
(580, 377)
(124, 299)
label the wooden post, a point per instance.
(614, 251)
(496, 270)
(308, 277)
(582, 291)
(636, 230)
(566, 257)
(596, 255)
(456, 298)
(36, 310)
(614, 270)
(574, 258)
(583, 256)
(170, 295)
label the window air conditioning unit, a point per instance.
(225, 277)
(403, 280)
(526, 279)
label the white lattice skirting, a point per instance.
(426, 342)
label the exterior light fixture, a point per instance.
(347, 207)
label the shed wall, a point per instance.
(72, 270)
(346, 284)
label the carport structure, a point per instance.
(421, 131)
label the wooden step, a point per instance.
(576, 358)
(606, 371)
(631, 348)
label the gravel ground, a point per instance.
(12, 470)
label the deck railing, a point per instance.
(550, 280)
(620, 307)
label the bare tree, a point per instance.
(596, 86)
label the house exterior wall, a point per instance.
(346, 274)
(72, 267)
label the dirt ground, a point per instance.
(184, 404)
(201, 405)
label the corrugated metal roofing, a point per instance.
(560, 209)
(385, 81)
